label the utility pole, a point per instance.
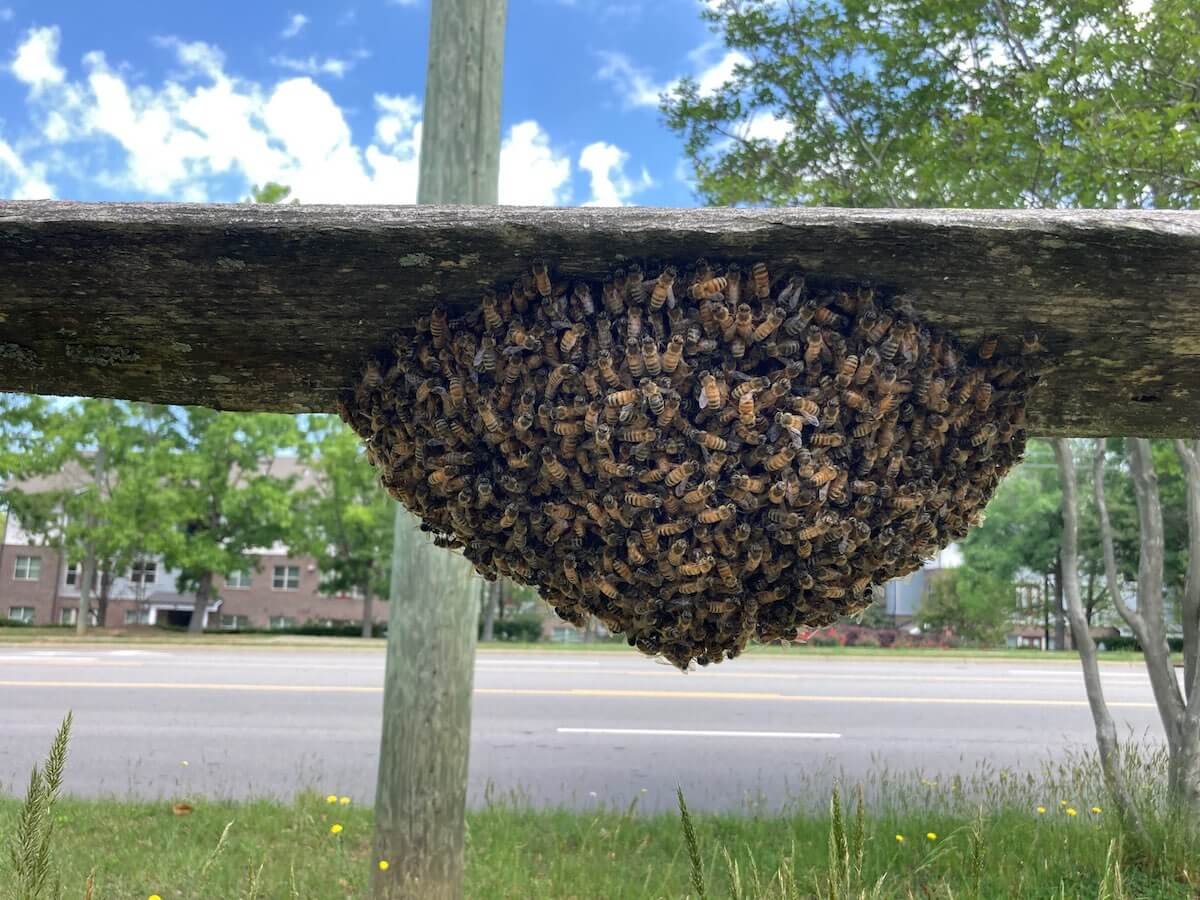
(420, 798)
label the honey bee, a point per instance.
(762, 282)
(541, 278)
(769, 325)
(633, 285)
(779, 459)
(552, 467)
(662, 288)
(700, 493)
(710, 392)
(650, 356)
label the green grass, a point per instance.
(134, 850)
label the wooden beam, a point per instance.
(273, 308)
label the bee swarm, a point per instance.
(696, 461)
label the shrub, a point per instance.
(13, 623)
(518, 629)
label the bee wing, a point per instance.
(703, 401)
(479, 357)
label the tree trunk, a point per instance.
(106, 580)
(1089, 602)
(368, 613)
(1106, 730)
(1189, 606)
(1045, 611)
(203, 593)
(420, 797)
(491, 597)
(1060, 625)
(85, 589)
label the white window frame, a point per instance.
(68, 615)
(13, 610)
(280, 622)
(142, 568)
(32, 563)
(71, 576)
(242, 583)
(281, 577)
(137, 616)
(234, 622)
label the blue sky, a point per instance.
(126, 100)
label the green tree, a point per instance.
(974, 605)
(217, 476)
(344, 518)
(1012, 103)
(270, 192)
(97, 500)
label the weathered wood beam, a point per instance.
(273, 308)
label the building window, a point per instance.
(282, 622)
(21, 614)
(235, 623)
(137, 617)
(143, 571)
(237, 580)
(286, 578)
(28, 568)
(72, 576)
(68, 615)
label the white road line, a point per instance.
(1076, 673)
(673, 732)
(557, 663)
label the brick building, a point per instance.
(278, 591)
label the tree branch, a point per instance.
(1150, 585)
(1131, 616)
(1190, 604)
(1106, 729)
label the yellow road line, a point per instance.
(571, 692)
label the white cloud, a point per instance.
(19, 180)
(605, 165)
(296, 23)
(404, 2)
(635, 85)
(36, 60)
(531, 173)
(767, 126)
(313, 65)
(712, 78)
(204, 134)
(638, 89)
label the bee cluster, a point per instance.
(695, 460)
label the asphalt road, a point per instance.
(552, 728)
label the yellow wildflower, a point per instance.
(1071, 811)
(1096, 810)
(383, 865)
(332, 798)
(345, 801)
(931, 836)
(899, 839)
(1062, 802)
(1041, 810)
(154, 897)
(335, 828)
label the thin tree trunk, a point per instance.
(106, 580)
(1045, 611)
(85, 589)
(203, 593)
(368, 613)
(1106, 730)
(1189, 606)
(491, 597)
(1181, 721)
(1060, 625)
(1089, 607)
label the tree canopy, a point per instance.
(960, 103)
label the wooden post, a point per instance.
(420, 798)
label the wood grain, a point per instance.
(273, 308)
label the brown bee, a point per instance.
(650, 356)
(762, 282)
(769, 325)
(662, 288)
(710, 392)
